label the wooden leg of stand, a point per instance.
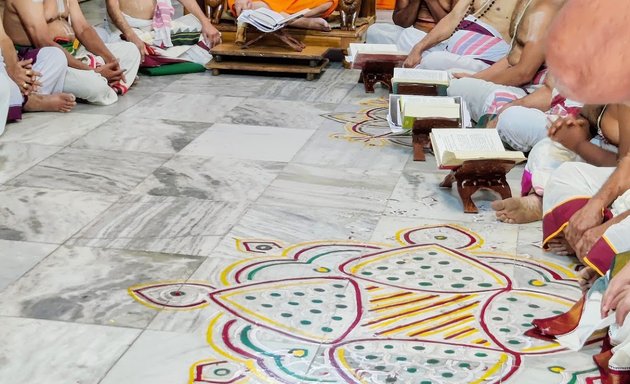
(418, 147)
(466, 192)
(368, 83)
(448, 181)
(503, 189)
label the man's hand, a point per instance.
(241, 5)
(414, 58)
(137, 41)
(588, 240)
(589, 217)
(211, 35)
(25, 77)
(461, 75)
(617, 296)
(111, 71)
(570, 132)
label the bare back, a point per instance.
(499, 15)
(530, 22)
(139, 9)
(56, 18)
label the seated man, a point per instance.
(523, 122)
(128, 14)
(471, 37)
(315, 19)
(596, 138)
(413, 19)
(97, 72)
(33, 84)
(521, 72)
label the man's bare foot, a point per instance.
(316, 23)
(519, 210)
(59, 102)
(586, 278)
(560, 246)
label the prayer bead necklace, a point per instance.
(471, 11)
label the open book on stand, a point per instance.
(360, 54)
(406, 110)
(452, 147)
(266, 20)
(412, 81)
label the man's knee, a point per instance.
(510, 126)
(53, 59)
(464, 86)
(126, 52)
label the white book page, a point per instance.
(355, 49)
(422, 74)
(429, 100)
(458, 140)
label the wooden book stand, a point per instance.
(377, 72)
(281, 35)
(421, 130)
(474, 175)
(417, 89)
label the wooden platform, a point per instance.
(336, 38)
(268, 57)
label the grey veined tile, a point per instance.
(346, 188)
(279, 113)
(162, 224)
(16, 158)
(91, 170)
(40, 351)
(89, 285)
(53, 128)
(180, 107)
(142, 135)
(46, 215)
(215, 178)
(17, 257)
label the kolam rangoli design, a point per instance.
(436, 308)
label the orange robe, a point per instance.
(293, 6)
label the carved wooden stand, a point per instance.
(474, 175)
(420, 134)
(280, 35)
(377, 72)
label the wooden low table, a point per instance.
(474, 175)
(268, 56)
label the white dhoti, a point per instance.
(404, 38)
(569, 188)
(51, 62)
(92, 87)
(484, 97)
(452, 62)
(521, 128)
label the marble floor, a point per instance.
(240, 229)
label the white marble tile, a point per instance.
(333, 150)
(332, 87)
(46, 215)
(91, 171)
(180, 107)
(39, 351)
(142, 135)
(278, 113)
(357, 94)
(219, 179)
(162, 224)
(89, 285)
(342, 188)
(17, 257)
(418, 194)
(52, 129)
(16, 158)
(167, 358)
(296, 223)
(224, 85)
(249, 142)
